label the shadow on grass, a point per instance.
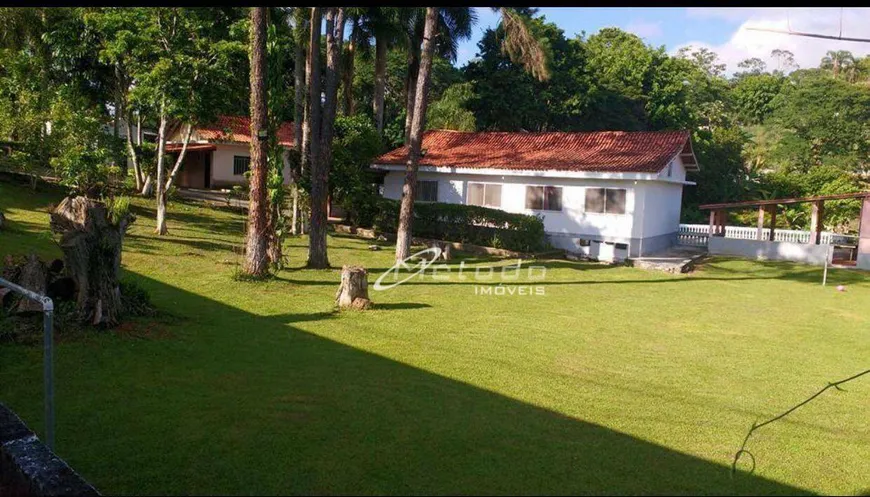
(275, 409)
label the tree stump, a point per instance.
(91, 243)
(353, 292)
(32, 276)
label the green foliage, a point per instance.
(754, 95)
(450, 111)
(119, 208)
(355, 145)
(85, 154)
(467, 224)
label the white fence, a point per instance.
(696, 234)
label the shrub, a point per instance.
(467, 224)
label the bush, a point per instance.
(467, 224)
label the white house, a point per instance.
(607, 194)
(218, 154)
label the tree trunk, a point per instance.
(256, 259)
(91, 244)
(380, 82)
(353, 292)
(317, 231)
(32, 277)
(411, 82)
(406, 212)
(298, 107)
(161, 182)
(347, 77)
(131, 151)
(180, 160)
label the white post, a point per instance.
(827, 258)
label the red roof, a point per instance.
(598, 151)
(238, 129)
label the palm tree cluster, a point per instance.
(423, 33)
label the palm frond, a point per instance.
(523, 47)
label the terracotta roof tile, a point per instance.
(238, 129)
(598, 151)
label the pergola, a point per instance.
(717, 219)
(717, 214)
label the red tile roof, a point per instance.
(238, 129)
(598, 151)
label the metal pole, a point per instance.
(47, 356)
(825, 274)
(48, 371)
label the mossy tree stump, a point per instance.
(91, 242)
(353, 293)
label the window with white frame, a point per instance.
(544, 198)
(605, 200)
(484, 194)
(427, 191)
(241, 164)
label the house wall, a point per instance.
(222, 165)
(566, 228)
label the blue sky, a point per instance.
(720, 29)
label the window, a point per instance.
(544, 198)
(605, 200)
(582, 242)
(427, 191)
(241, 165)
(670, 168)
(485, 194)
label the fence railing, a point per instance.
(696, 234)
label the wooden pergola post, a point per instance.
(816, 222)
(721, 225)
(760, 235)
(772, 234)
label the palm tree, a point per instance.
(357, 41)
(256, 260)
(454, 25)
(521, 45)
(386, 25)
(836, 60)
(317, 252)
(406, 212)
(299, 31)
(311, 128)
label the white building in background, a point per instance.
(219, 154)
(607, 195)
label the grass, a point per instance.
(616, 381)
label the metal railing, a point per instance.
(47, 356)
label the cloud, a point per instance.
(644, 29)
(745, 43)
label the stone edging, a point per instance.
(28, 467)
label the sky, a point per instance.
(721, 29)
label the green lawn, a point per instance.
(616, 381)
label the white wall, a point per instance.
(222, 165)
(764, 250)
(573, 219)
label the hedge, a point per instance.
(467, 224)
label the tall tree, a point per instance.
(300, 32)
(385, 24)
(409, 190)
(454, 25)
(311, 131)
(317, 251)
(256, 261)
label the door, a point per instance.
(207, 180)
